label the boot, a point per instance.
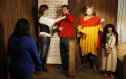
(94, 68)
(82, 66)
(83, 62)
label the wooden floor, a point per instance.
(86, 73)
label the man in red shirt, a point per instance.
(66, 31)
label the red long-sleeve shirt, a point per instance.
(68, 27)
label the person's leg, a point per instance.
(105, 74)
(111, 74)
(48, 44)
(93, 61)
(61, 44)
(64, 52)
(45, 42)
(83, 61)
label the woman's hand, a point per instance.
(59, 19)
(108, 50)
(63, 17)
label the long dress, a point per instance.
(90, 41)
(109, 62)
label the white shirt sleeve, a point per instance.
(46, 21)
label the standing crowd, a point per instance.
(25, 60)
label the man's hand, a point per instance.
(60, 28)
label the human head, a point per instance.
(22, 28)
(109, 28)
(43, 10)
(65, 9)
(88, 11)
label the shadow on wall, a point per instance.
(3, 60)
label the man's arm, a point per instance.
(70, 18)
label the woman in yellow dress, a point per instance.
(88, 32)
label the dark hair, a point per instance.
(22, 28)
(68, 8)
(42, 8)
(83, 10)
(106, 31)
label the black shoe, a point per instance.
(60, 68)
